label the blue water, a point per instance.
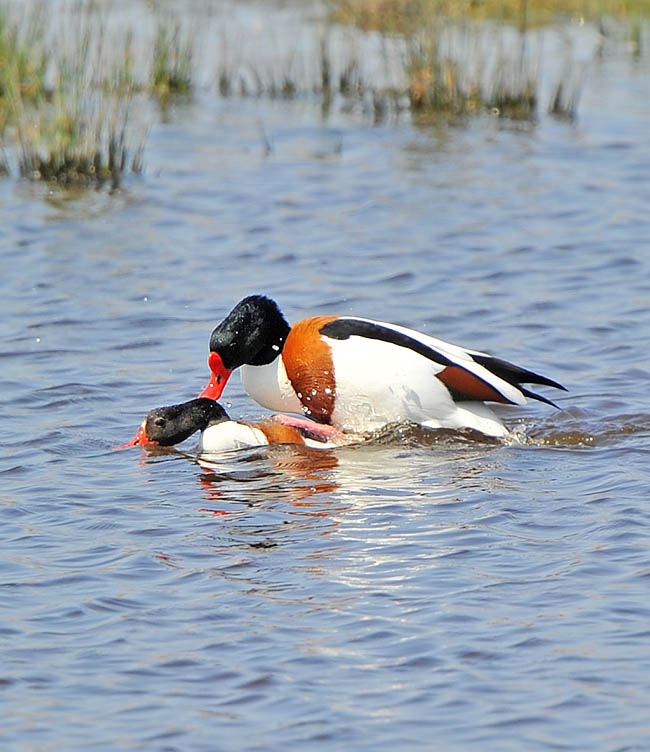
(425, 591)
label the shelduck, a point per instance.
(356, 374)
(167, 426)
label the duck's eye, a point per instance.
(160, 422)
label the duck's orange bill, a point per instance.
(140, 439)
(220, 375)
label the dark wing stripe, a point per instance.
(532, 395)
(463, 384)
(346, 328)
(513, 374)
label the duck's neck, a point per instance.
(269, 385)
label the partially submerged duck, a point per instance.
(167, 426)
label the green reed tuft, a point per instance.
(68, 86)
(450, 73)
(64, 100)
(77, 143)
(172, 60)
(405, 16)
(23, 63)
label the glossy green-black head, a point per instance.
(166, 426)
(253, 333)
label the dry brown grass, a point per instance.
(405, 16)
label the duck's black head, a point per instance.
(253, 333)
(166, 426)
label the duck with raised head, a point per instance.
(167, 426)
(357, 374)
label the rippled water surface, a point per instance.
(424, 591)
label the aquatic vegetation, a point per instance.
(635, 38)
(456, 71)
(172, 66)
(404, 16)
(450, 71)
(23, 63)
(513, 84)
(68, 83)
(440, 68)
(77, 142)
(66, 91)
(564, 103)
(70, 124)
(287, 79)
(435, 82)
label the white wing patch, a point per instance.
(458, 355)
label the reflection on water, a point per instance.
(394, 457)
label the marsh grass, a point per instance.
(329, 72)
(405, 16)
(436, 78)
(439, 77)
(66, 92)
(564, 101)
(434, 81)
(450, 66)
(439, 69)
(513, 86)
(69, 89)
(461, 69)
(75, 132)
(173, 55)
(635, 38)
(23, 63)
(78, 143)
(455, 70)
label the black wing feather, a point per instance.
(344, 328)
(513, 374)
(516, 375)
